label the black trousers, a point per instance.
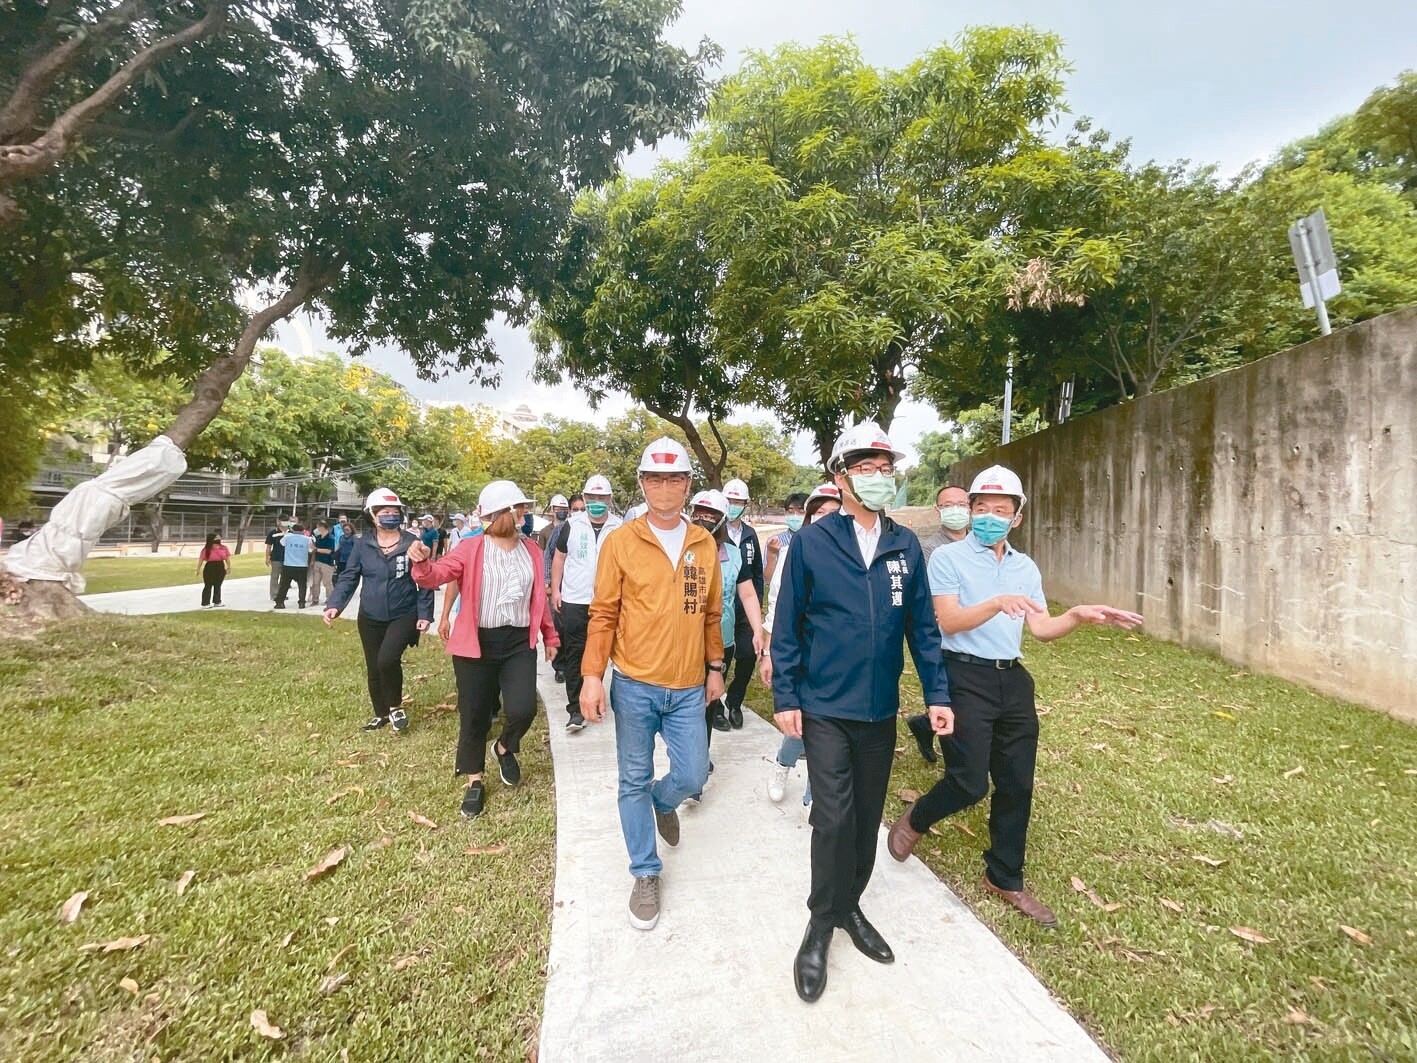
(575, 619)
(744, 663)
(384, 642)
(849, 767)
(505, 674)
(714, 707)
(995, 736)
(558, 664)
(289, 574)
(213, 575)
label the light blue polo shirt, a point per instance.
(969, 569)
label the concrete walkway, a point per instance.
(713, 980)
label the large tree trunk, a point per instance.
(152, 511)
(56, 553)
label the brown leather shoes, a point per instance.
(1025, 902)
(902, 837)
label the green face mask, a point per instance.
(876, 491)
(735, 511)
(597, 509)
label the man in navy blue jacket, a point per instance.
(853, 592)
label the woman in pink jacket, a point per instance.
(504, 609)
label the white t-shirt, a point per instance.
(671, 540)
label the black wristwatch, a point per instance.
(721, 669)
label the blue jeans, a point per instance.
(788, 754)
(642, 711)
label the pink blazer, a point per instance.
(464, 564)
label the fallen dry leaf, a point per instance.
(1296, 1017)
(963, 828)
(265, 1027)
(484, 850)
(116, 945)
(331, 983)
(70, 909)
(1208, 861)
(185, 881)
(908, 795)
(422, 821)
(180, 821)
(1222, 780)
(1223, 715)
(341, 954)
(332, 860)
(1254, 937)
(1167, 902)
(379, 843)
(285, 941)
(129, 984)
(1356, 935)
(405, 962)
(380, 805)
(1104, 905)
(1298, 769)
(344, 793)
(1221, 827)
(1079, 884)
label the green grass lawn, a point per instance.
(115, 723)
(104, 574)
(1246, 801)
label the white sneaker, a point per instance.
(777, 782)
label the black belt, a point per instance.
(987, 662)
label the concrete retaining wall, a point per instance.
(1268, 514)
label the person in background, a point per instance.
(794, 505)
(322, 564)
(275, 550)
(824, 500)
(428, 533)
(744, 660)
(213, 565)
(299, 547)
(338, 530)
(498, 578)
(445, 538)
(346, 544)
(985, 593)
(952, 503)
(393, 610)
(578, 545)
(560, 509)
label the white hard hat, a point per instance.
(558, 500)
(710, 499)
(500, 495)
(827, 490)
(458, 516)
(665, 455)
(381, 496)
(427, 516)
(596, 485)
(867, 435)
(736, 491)
(997, 480)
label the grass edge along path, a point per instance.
(1205, 834)
(103, 575)
(422, 942)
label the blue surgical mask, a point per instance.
(597, 509)
(735, 511)
(390, 520)
(794, 522)
(989, 529)
(560, 514)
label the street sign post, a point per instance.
(1318, 269)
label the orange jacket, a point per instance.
(659, 627)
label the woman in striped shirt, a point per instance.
(504, 610)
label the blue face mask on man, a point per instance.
(989, 528)
(390, 520)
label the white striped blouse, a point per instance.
(506, 586)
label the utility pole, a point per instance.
(1008, 397)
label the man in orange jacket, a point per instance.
(659, 624)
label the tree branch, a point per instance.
(21, 161)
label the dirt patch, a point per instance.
(27, 608)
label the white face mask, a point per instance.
(955, 518)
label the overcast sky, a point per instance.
(1213, 82)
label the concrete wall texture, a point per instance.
(1267, 514)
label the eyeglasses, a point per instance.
(664, 479)
(866, 468)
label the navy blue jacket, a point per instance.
(388, 589)
(752, 551)
(839, 628)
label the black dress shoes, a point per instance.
(735, 717)
(809, 971)
(924, 736)
(866, 938)
(718, 721)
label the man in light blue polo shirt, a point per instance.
(985, 591)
